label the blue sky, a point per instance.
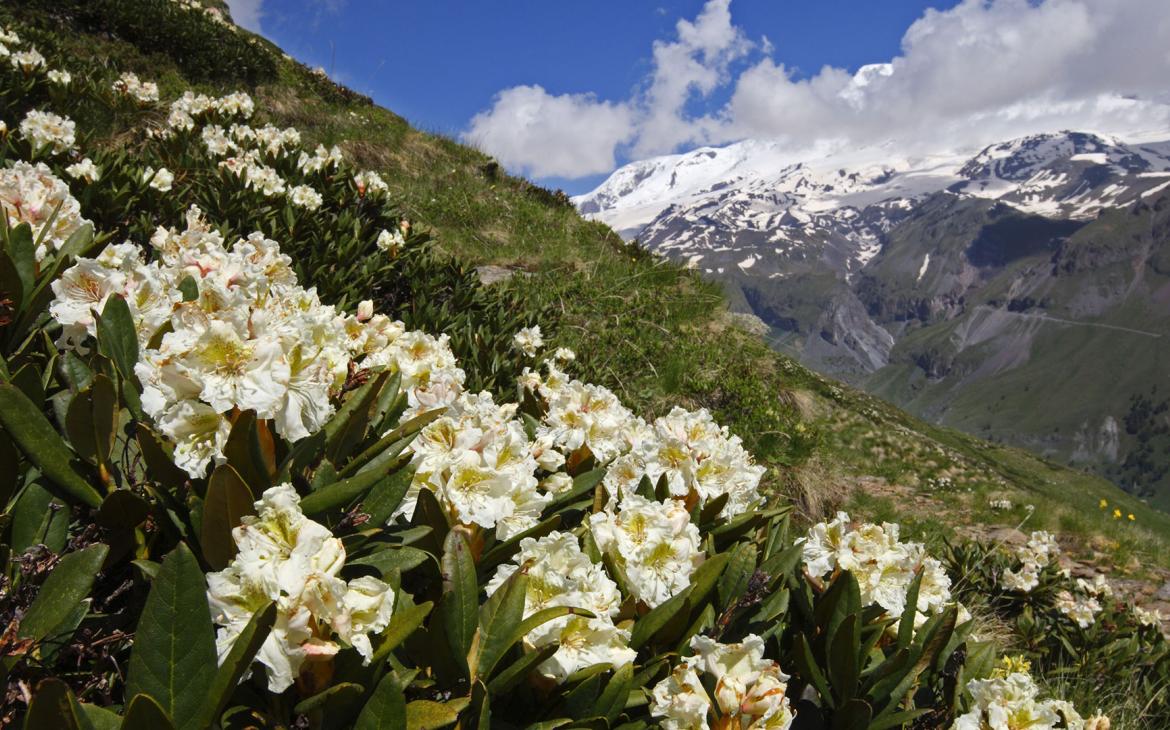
(564, 92)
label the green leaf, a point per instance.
(853, 715)
(428, 715)
(92, 420)
(844, 660)
(391, 444)
(43, 446)
(386, 708)
(159, 463)
(393, 558)
(54, 706)
(403, 623)
(11, 285)
(339, 494)
(174, 657)
(653, 622)
(122, 509)
(22, 250)
(244, 453)
(459, 606)
(348, 425)
(499, 619)
(518, 670)
(386, 495)
(100, 718)
(189, 288)
(145, 713)
(117, 338)
(336, 698)
(236, 664)
(810, 672)
(67, 585)
(228, 501)
(613, 699)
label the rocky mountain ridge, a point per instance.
(1020, 293)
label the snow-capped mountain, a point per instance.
(1021, 291)
(749, 204)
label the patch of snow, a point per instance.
(922, 269)
(1099, 158)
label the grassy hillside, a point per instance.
(658, 334)
(212, 450)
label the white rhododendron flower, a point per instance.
(749, 690)
(1039, 552)
(289, 559)
(680, 701)
(656, 545)
(144, 92)
(883, 566)
(161, 179)
(254, 339)
(478, 462)
(370, 184)
(32, 194)
(305, 197)
(256, 175)
(59, 77)
(1082, 610)
(559, 574)
(45, 130)
(27, 61)
(84, 170)
(564, 354)
(390, 241)
(321, 159)
(1012, 701)
(1148, 617)
(528, 340)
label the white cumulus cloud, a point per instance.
(982, 71)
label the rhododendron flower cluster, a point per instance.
(656, 545)
(289, 559)
(32, 194)
(1012, 701)
(84, 170)
(59, 77)
(883, 566)
(253, 339)
(479, 463)
(1035, 555)
(321, 159)
(1082, 609)
(750, 691)
(46, 130)
(161, 179)
(27, 61)
(255, 174)
(560, 574)
(370, 184)
(190, 106)
(528, 340)
(128, 84)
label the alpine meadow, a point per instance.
(312, 419)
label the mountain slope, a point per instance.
(658, 334)
(1018, 294)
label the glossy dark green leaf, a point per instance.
(41, 444)
(54, 706)
(174, 656)
(499, 618)
(66, 586)
(117, 338)
(459, 606)
(244, 452)
(429, 715)
(402, 624)
(337, 698)
(228, 500)
(340, 494)
(386, 708)
(145, 713)
(389, 559)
